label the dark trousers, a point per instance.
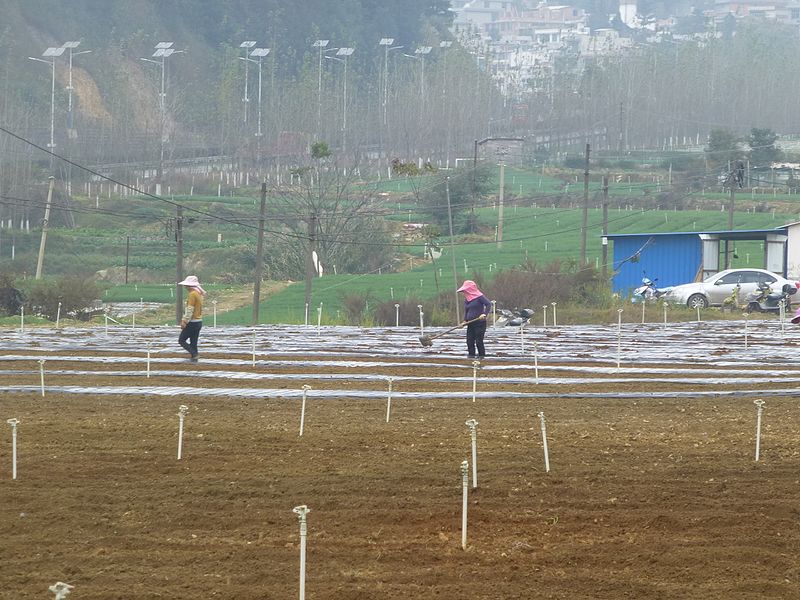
(475, 333)
(191, 332)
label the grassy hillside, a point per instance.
(535, 234)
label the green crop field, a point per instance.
(540, 226)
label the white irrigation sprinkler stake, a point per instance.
(389, 400)
(494, 313)
(214, 304)
(536, 361)
(60, 589)
(665, 315)
(41, 374)
(254, 348)
(319, 318)
(746, 321)
(421, 320)
(22, 319)
(106, 318)
(464, 496)
(13, 423)
(473, 434)
(301, 512)
(619, 336)
(544, 315)
(133, 320)
(303, 408)
(397, 315)
(759, 411)
(782, 316)
(306, 314)
(522, 337)
(698, 312)
(544, 443)
(148, 359)
(476, 364)
(58, 315)
(182, 410)
(644, 305)
(555, 321)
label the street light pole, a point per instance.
(71, 47)
(444, 45)
(51, 53)
(246, 47)
(419, 54)
(71, 132)
(384, 129)
(387, 47)
(341, 56)
(386, 43)
(163, 51)
(422, 52)
(321, 44)
(259, 53)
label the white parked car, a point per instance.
(716, 288)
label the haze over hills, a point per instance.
(116, 93)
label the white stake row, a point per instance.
(301, 512)
(182, 410)
(759, 411)
(464, 497)
(13, 423)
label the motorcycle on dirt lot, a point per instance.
(766, 300)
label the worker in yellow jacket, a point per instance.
(192, 321)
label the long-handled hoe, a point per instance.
(427, 340)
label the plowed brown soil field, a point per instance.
(646, 498)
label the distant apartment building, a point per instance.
(541, 25)
(478, 13)
(786, 11)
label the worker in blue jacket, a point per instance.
(476, 307)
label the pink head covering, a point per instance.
(192, 282)
(470, 289)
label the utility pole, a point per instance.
(732, 181)
(312, 246)
(259, 253)
(127, 256)
(585, 214)
(605, 229)
(500, 200)
(179, 264)
(45, 222)
(474, 187)
(452, 246)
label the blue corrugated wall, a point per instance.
(673, 259)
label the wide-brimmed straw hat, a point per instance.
(190, 281)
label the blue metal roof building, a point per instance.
(682, 257)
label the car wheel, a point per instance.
(696, 300)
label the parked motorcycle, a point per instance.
(648, 292)
(764, 299)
